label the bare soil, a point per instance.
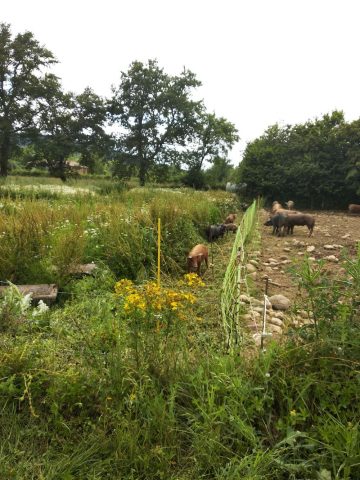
(337, 229)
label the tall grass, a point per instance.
(43, 240)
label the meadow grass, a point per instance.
(138, 384)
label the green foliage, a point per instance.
(211, 138)
(219, 173)
(22, 88)
(156, 112)
(315, 164)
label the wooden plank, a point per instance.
(84, 269)
(46, 292)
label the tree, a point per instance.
(67, 124)
(219, 172)
(155, 113)
(22, 60)
(315, 164)
(263, 165)
(212, 137)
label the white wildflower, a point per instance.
(40, 309)
(25, 303)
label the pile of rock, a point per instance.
(275, 317)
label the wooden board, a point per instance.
(46, 292)
(84, 269)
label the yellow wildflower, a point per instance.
(124, 287)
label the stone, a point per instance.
(347, 235)
(276, 321)
(310, 248)
(329, 247)
(255, 263)
(275, 329)
(257, 339)
(287, 249)
(331, 258)
(256, 302)
(253, 275)
(244, 298)
(250, 268)
(258, 309)
(279, 302)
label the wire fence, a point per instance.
(235, 277)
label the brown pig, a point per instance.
(230, 218)
(231, 227)
(353, 208)
(196, 256)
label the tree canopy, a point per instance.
(315, 164)
(155, 113)
(22, 85)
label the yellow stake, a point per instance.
(159, 236)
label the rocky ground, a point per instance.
(335, 236)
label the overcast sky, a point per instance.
(260, 61)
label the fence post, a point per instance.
(159, 250)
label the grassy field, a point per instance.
(122, 379)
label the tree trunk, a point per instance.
(142, 172)
(4, 155)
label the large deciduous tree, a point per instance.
(22, 61)
(211, 138)
(68, 123)
(156, 114)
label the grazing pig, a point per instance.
(278, 222)
(353, 208)
(300, 219)
(196, 257)
(276, 206)
(231, 227)
(215, 231)
(230, 218)
(290, 204)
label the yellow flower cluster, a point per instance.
(192, 280)
(124, 287)
(150, 297)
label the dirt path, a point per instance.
(335, 233)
